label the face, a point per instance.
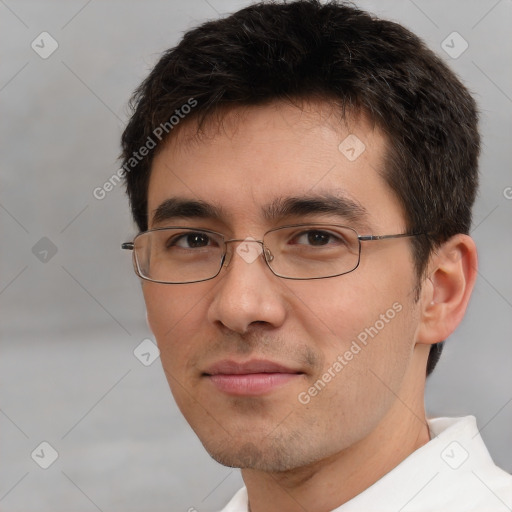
(275, 374)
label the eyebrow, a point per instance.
(279, 209)
(176, 207)
(327, 204)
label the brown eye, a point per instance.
(189, 241)
(317, 238)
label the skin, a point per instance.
(296, 456)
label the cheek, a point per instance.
(161, 307)
(345, 306)
(366, 339)
(369, 324)
(173, 316)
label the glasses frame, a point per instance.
(267, 255)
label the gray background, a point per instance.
(70, 323)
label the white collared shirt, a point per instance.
(453, 472)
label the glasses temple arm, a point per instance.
(383, 237)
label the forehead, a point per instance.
(257, 156)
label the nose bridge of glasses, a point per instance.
(245, 251)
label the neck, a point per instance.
(331, 482)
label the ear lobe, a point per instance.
(445, 293)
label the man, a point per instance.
(302, 177)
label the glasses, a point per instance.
(180, 255)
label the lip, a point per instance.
(250, 378)
(230, 367)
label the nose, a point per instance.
(248, 292)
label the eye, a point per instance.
(318, 238)
(192, 240)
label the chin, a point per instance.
(250, 456)
(268, 455)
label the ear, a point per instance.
(445, 293)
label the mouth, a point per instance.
(251, 378)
